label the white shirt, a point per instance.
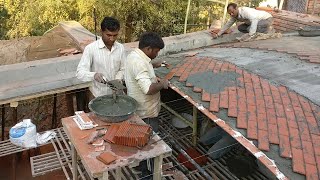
(248, 15)
(139, 75)
(97, 58)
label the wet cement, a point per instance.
(107, 106)
(213, 83)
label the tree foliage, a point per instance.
(21, 18)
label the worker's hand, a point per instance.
(99, 78)
(156, 64)
(165, 83)
(214, 35)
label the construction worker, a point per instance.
(253, 20)
(103, 60)
(143, 85)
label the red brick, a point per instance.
(242, 120)
(308, 153)
(258, 94)
(297, 161)
(283, 92)
(252, 131)
(269, 102)
(247, 77)
(241, 92)
(295, 140)
(318, 162)
(275, 94)
(271, 115)
(285, 150)
(311, 172)
(252, 115)
(232, 110)
(212, 65)
(197, 89)
(304, 131)
(265, 87)
(279, 110)
(185, 75)
(294, 99)
(251, 100)
(224, 67)
(232, 67)
(283, 126)
(242, 105)
(224, 99)
(299, 113)
(255, 80)
(260, 107)
(316, 144)
(313, 125)
(316, 111)
(189, 84)
(263, 140)
(305, 104)
(262, 121)
(232, 94)
(217, 67)
(273, 133)
(205, 96)
(291, 119)
(214, 103)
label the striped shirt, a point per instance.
(97, 58)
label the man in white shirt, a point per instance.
(254, 20)
(143, 85)
(103, 60)
(141, 82)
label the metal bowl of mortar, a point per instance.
(309, 31)
(113, 109)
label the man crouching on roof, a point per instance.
(253, 21)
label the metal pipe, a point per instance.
(225, 12)
(3, 112)
(281, 4)
(195, 125)
(178, 147)
(186, 18)
(176, 114)
(54, 112)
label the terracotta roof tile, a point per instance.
(269, 113)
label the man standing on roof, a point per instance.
(103, 60)
(143, 86)
(254, 20)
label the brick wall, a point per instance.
(286, 21)
(314, 8)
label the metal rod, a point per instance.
(176, 114)
(2, 122)
(95, 22)
(195, 126)
(178, 147)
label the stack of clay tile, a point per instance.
(128, 134)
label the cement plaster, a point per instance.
(213, 83)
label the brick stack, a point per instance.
(128, 134)
(286, 21)
(270, 114)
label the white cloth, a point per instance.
(45, 137)
(139, 75)
(97, 58)
(249, 16)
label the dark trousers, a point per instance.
(262, 27)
